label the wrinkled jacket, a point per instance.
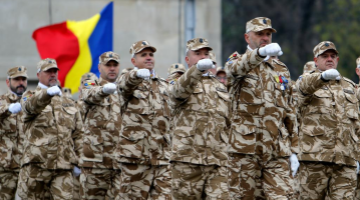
(200, 132)
(144, 131)
(330, 115)
(53, 129)
(263, 115)
(102, 127)
(11, 133)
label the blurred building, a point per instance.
(166, 24)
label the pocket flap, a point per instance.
(322, 94)
(70, 110)
(245, 129)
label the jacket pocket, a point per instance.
(93, 149)
(243, 138)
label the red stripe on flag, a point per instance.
(58, 42)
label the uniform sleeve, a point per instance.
(128, 83)
(94, 95)
(245, 63)
(184, 86)
(34, 105)
(77, 135)
(4, 109)
(307, 85)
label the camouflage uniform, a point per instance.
(143, 148)
(102, 128)
(53, 130)
(11, 139)
(264, 129)
(174, 72)
(88, 80)
(200, 135)
(328, 135)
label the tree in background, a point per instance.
(300, 26)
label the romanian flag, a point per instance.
(77, 45)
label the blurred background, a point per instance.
(168, 24)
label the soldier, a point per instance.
(11, 131)
(200, 133)
(329, 129)
(102, 128)
(264, 133)
(309, 67)
(143, 148)
(66, 92)
(53, 128)
(221, 75)
(175, 71)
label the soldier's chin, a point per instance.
(52, 84)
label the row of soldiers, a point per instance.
(134, 135)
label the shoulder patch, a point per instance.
(350, 81)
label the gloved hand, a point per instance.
(17, 197)
(331, 74)
(109, 88)
(205, 64)
(143, 73)
(294, 164)
(15, 108)
(272, 49)
(54, 90)
(76, 171)
(357, 167)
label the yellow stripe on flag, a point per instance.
(82, 30)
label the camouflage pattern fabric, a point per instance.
(143, 182)
(33, 181)
(8, 184)
(98, 183)
(103, 122)
(357, 191)
(53, 129)
(321, 180)
(330, 120)
(76, 187)
(11, 133)
(144, 130)
(263, 114)
(200, 133)
(259, 24)
(192, 181)
(252, 178)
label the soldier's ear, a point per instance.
(133, 61)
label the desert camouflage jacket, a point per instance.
(201, 124)
(329, 127)
(144, 131)
(102, 126)
(263, 114)
(53, 129)
(11, 133)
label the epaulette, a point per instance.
(312, 71)
(350, 81)
(279, 62)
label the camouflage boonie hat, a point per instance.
(220, 69)
(309, 67)
(17, 72)
(259, 24)
(46, 64)
(358, 62)
(322, 47)
(212, 57)
(197, 43)
(108, 56)
(139, 46)
(177, 67)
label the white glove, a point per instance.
(76, 171)
(15, 108)
(143, 73)
(294, 164)
(331, 74)
(17, 197)
(272, 49)
(357, 167)
(54, 90)
(109, 88)
(205, 64)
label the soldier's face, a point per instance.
(193, 57)
(327, 60)
(109, 71)
(144, 59)
(258, 39)
(49, 77)
(17, 85)
(221, 76)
